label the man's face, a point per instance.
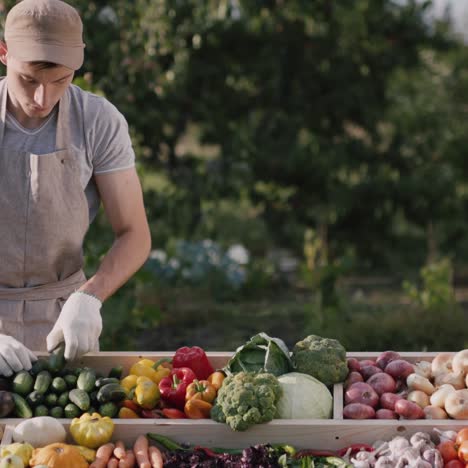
(33, 90)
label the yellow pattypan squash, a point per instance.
(24, 451)
(92, 430)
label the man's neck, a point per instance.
(22, 118)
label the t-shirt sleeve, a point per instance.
(111, 145)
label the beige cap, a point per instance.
(45, 30)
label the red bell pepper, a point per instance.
(173, 387)
(194, 358)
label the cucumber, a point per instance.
(116, 372)
(77, 371)
(71, 411)
(106, 380)
(43, 381)
(39, 365)
(58, 385)
(111, 392)
(35, 398)
(23, 383)
(41, 410)
(56, 412)
(86, 380)
(80, 398)
(108, 409)
(57, 358)
(22, 409)
(71, 380)
(51, 400)
(63, 399)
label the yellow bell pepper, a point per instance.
(145, 367)
(146, 393)
(92, 430)
(129, 382)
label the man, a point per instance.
(62, 150)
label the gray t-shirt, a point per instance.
(98, 131)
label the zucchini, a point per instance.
(116, 372)
(58, 385)
(23, 383)
(35, 398)
(80, 398)
(41, 410)
(43, 381)
(56, 412)
(22, 409)
(86, 380)
(57, 358)
(71, 411)
(111, 392)
(108, 409)
(106, 380)
(39, 365)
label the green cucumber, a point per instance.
(80, 398)
(41, 410)
(111, 392)
(63, 399)
(35, 398)
(56, 412)
(108, 409)
(57, 359)
(106, 380)
(86, 380)
(116, 372)
(71, 380)
(43, 381)
(23, 383)
(22, 409)
(72, 411)
(51, 400)
(39, 365)
(58, 385)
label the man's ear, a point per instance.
(3, 53)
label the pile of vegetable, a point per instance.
(52, 389)
(390, 387)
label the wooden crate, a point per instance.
(302, 433)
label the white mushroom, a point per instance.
(460, 362)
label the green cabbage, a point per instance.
(304, 397)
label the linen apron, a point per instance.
(43, 220)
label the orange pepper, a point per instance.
(216, 379)
(197, 408)
(127, 413)
(201, 389)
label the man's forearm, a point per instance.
(127, 254)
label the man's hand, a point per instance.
(79, 325)
(14, 356)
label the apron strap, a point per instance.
(45, 291)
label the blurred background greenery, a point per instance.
(303, 163)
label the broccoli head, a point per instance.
(322, 358)
(245, 399)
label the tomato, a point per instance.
(448, 451)
(463, 451)
(454, 464)
(462, 435)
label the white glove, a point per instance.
(79, 325)
(14, 356)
